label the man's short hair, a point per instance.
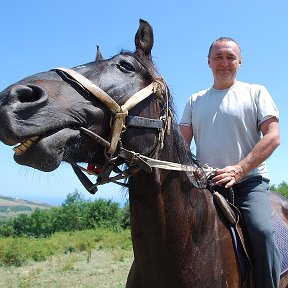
(222, 39)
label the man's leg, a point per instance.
(252, 198)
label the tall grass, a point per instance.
(19, 251)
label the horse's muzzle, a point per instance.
(17, 104)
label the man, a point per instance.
(226, 122)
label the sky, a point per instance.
(39, 35)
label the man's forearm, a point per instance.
(263, 149)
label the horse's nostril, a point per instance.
(26, 94)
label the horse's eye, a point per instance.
(125, 67)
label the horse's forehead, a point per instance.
(126, 56)
(101, 65)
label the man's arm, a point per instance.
(187, 134)
(262, 150)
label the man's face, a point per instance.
(224, 61)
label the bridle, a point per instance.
(121, 121)
(114, 149)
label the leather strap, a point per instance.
(136, 121)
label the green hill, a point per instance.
(11, 207)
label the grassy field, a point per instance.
(105, 268)
(89, 258)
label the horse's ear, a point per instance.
(98, 54)
(144, 38)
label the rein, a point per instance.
(122, 120)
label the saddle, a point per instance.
(224, 201)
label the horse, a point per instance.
(117, 115)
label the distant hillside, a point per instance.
(10, 207)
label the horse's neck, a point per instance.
(168, 219)
(166, 197)
(166, 208)
(175, 232)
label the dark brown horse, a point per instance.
(179, 238)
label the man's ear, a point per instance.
(240, 62)
(209, 62)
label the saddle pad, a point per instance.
(281, 238)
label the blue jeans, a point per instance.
(252, 199)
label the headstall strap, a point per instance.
(91, 87)
(117, 130)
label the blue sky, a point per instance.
(39, 35)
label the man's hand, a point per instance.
(229, 175)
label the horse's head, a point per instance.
(53, 113)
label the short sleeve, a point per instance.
(186, 119)
(266, 107)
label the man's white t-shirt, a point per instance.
(226, 123)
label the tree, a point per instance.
(6, 228)
(75, 213)
(40, 224)
(72, 212)
(74, 198)
(125, 216)
(21, 225)
(282, 188)
(103, 213)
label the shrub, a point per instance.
(282, 188)
(17, 251)
(103, 214)
(125, 216)
(6, 228)
(13, 254)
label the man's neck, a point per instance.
(223, 86)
